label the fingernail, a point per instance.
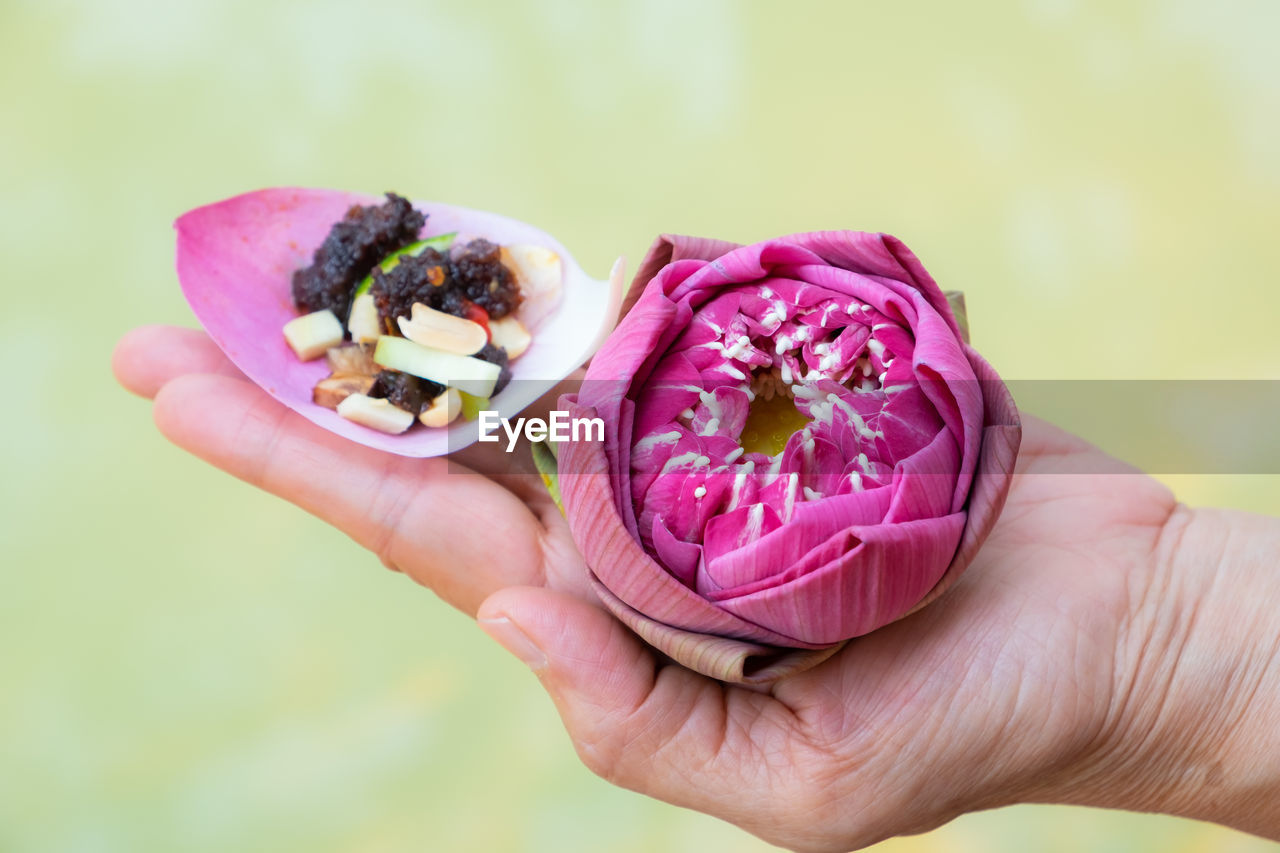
(514, 640)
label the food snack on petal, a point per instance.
(249, 265)
(439, 294)
(800, 447)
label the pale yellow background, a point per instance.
(187, 664)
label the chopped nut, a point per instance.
(375, 413)
(442, 331)
(539, 276)
(510, 334)
(443, 410)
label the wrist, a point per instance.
(1195, 726)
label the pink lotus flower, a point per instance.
(751, 563)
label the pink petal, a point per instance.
(724, 658)
(874, 576)
(618, 561)
(1001, 437)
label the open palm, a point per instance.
(996, 692)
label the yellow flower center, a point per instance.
(770, 423)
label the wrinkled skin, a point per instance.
(1044, 675)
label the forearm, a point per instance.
(1196, 732)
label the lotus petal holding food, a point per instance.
(236, 257)
(894, 449)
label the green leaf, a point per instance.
(955, 298)
(544, 459)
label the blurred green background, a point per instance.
(191, 665)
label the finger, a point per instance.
(149, 356)
(661, 730)
(446, 527)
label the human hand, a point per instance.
(502, 527)
(1062, 667)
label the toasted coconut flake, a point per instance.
(332, 391)
(352, 359)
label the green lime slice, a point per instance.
(544, 459)
(440, 243)
(472, 405)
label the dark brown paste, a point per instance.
(353, 248)
(484, 279)
(404, 391)
(496, 355)
(473, 275)
(426, 279)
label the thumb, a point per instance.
(577, 650)
(621, 710)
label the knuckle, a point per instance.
(604, 755)
(390, 509)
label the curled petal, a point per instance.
(892, 446)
